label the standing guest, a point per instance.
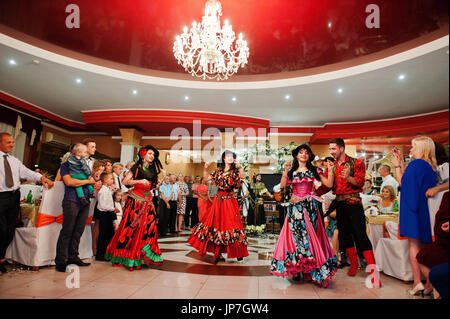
(204, 201)
(244, 192)
(80, 170)
(414, 219)
(388, 180)
(136, 239)
(11, 172)
(435, 253)
(442, 171)
(108, 165)
(173, 204)
(303, 248)
(117, 197)
(166, 194)
(189, 199)
(98, 167)
(117, 169)
(222, 230)
(181, 209)
(349, 175)
(91, 149)
(75, 215)
(107, 215)
(257, 216)
(194, 215)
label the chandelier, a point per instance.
(209, 51)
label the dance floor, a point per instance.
(185, 275)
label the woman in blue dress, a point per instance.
(414, 218)
(303, 248)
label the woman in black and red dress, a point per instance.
(135, 240)
(222, 230)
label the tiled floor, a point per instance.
(185, 275)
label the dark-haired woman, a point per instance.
(222, 230)
(303, 248)
(257, 216)
(135, 240)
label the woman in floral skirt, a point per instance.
(303, 249)
(222, 230)
(135, 240)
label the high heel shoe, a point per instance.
(417, 290)
(428, 291)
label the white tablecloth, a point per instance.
(392, 256)
(36, 191)
(433, 206)
(33, 246)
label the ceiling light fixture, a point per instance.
(209, 51)
(233, 99)
(340, 90)
(287, 96)
(186, 97)
(78, 80)
(12, 62)
(135, 92)
(401, 77)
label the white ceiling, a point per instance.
(370, 92)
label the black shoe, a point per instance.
(3, 268)
(238, 259)
(78, 262)
(61, 267)
(100, 258)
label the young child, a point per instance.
(117, 196)
(106, 215)
(80, 170)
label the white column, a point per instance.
(127, 152)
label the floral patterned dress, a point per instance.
(183, 188)
(303, 246)
(221, 230)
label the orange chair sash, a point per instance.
(46, 219)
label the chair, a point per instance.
(36, 246)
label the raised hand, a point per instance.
(287, 166)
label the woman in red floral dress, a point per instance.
(135, 240)
(222, 230)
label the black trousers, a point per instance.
(106, 231)
(188, 214)
(74, 223)
(194, 215)
(163, 220)
(351, 223)
(172, 215)
(9, 210)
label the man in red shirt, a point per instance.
(351, 222)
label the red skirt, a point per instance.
(135, 240)
(221, 230)
(204, 206)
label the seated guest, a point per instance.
(388, 203)
(388, 180)
(437, 252)
(106, 215)
(368, 190)
(439, 280)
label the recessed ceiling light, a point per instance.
(287, 96)
(78, 80)
(12, 62)
(329, 25)
(186, 97)
(233, 99)
(135, 92)
(340, 90)
(401, 77)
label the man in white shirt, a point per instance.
(11, 172)
(388, 180)
(173, 203)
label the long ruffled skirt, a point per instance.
(303, 246)
(221, 230)
(135, 240)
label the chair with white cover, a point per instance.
(36, 246)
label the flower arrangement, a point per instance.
(255, 230)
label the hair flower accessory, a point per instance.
(142, 152)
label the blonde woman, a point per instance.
(388, 203)
(415, 180)
(181, 208)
